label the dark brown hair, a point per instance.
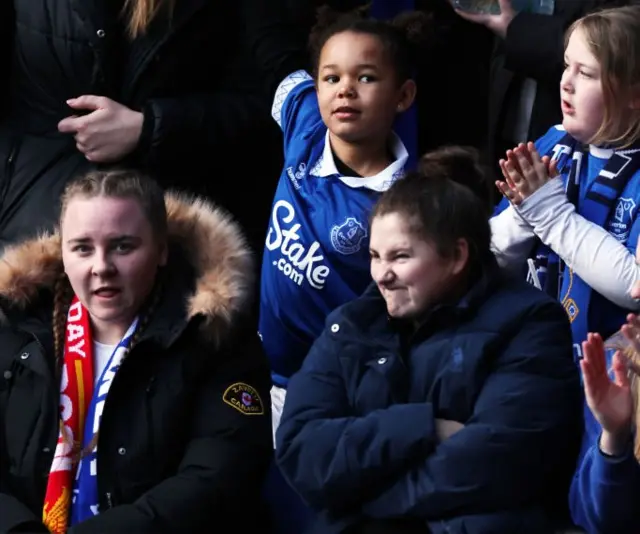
(448, 198)
(403, 38)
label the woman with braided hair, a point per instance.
(131, 386)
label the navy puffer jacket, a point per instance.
(358, 435)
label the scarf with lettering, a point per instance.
(72, 495)
(597, 204)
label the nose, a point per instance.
(346, 90)
(102, 265)
(381, 273)
(566, 82)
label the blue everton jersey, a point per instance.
(316, 253)
(623, 223)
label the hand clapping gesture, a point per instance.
(611, 400)
(525, 172)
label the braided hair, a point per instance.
(123, 184)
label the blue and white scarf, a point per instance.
(597, 206)
(84, 504)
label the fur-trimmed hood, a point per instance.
(207, 235)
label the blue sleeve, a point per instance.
(336, 459)
(545, 144)
(524, 431)
(605, 491)
(295, 107)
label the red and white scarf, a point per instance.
(76, 390)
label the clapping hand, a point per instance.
(610, 400)
(524, 172)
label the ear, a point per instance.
(407, 94)
(461, 257)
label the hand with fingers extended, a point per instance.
(106, 132)
(524, 171)
(497, 23)
(610, 400)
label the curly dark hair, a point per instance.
(404, 37)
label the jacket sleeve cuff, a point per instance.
(611, 470)
(141, 151)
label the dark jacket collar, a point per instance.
(369, 314)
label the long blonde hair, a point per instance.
(613, 37)
(140, 13)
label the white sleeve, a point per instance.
(283, 90)
(511, 239)
(593, 253)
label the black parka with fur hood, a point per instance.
(174, 453)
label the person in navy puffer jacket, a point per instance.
(444, 399)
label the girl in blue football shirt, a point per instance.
(583, 229)
(340, 155)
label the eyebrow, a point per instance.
(113, 239)
(592, 67)
(394, 250)
(361, 66)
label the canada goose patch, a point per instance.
(243, 398)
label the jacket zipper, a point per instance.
(109, 500)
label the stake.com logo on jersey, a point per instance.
(297, 262)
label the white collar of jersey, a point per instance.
(599, 152)
(326, 166)
(595, 151)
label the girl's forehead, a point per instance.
(352, 45)
(578, 49)
(100, 215)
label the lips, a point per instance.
(346, 112)
(106, 292)
(567, 108)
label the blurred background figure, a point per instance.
(526, 66)
(156, 85)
